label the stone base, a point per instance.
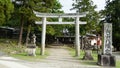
(88, 55)
(31, 51)
(106, 60)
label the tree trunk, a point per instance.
(28, 33)
(21, 31)
(88, 55)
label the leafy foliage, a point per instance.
(6, 8)
(92, 16)
(112, 15)
(48, 6)
(24, 14)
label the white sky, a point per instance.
(67, 5)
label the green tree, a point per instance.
(49, 6)
(91, 18)
(112, 15)
(24, 9)
(6, 8)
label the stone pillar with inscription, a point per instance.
(106, 58)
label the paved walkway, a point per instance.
(59, 58)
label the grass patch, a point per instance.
(86, 62)
(89, 62)
(72, 51)
(11, 48)
(117, 64)
(24, 56)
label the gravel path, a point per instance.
(2, 54)
(59, 58)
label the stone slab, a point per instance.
(106, 60)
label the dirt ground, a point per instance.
(59, 58)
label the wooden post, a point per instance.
(43, 36)
(77, 38)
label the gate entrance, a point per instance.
(76, 22)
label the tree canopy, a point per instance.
(19, 13)
(6, 8)
(25, 16)
(112, 15)
(92, 16)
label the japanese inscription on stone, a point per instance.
(107, 39)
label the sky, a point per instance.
(67, 5)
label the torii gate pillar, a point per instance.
(43, 36)
(77, 37)
(60, 16)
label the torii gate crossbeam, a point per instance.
(44, 17)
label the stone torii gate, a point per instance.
(44, 21)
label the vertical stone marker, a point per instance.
(107, 48)
(106, 58)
